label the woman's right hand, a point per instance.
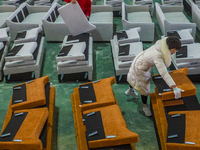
(73, 1)
(177, 92)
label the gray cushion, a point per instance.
(176, 17)
(34, 18)
(139, 17)
(101, 17)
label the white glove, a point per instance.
(177, 92)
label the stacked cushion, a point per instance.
(94, 105)
(29, 124)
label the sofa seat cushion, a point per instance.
(139, 17)
(101, 17)
(176, 17)
(3, 17)
(59, 20)
(34, 18)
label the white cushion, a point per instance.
(31, 36)
(76, 23)
(75, 53)
(25, 52)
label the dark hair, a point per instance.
(173, 42)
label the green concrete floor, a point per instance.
(64, 133)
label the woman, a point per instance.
(140, 71)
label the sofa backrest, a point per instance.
(196, 14)
(19, 14)
(53, 13)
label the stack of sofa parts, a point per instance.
(184, 35)
(125, 46)
(4, 48)
(74, 61)
(29, 120)
(25, 17)
(176, 119)
(5, 12)
(145, 2)
(26, 56)
(93, 104)
(188, 56)
(172, 2)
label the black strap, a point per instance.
(120, 147)
(121, 35)
(93, 124)
(13, 127)
(182, 52)
(173, 33)
(176, 126)
(25, 10)
(82, 38)
(87, 93)
(65, 50)
(15, 50)
(124, 50)
(160, 84)
(19, 94)
(20, 16)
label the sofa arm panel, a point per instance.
(196, 15)
(160, 18)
